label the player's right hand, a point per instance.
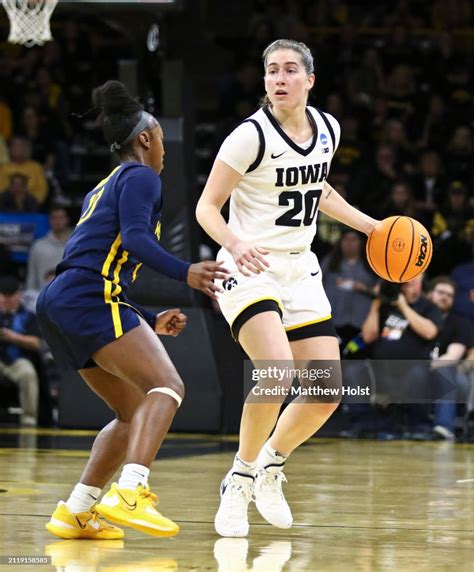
(249, 258)
(201, 276)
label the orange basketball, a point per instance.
(399, 249)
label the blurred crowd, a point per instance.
(43, 93)
(398, 77)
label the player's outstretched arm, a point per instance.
(338, 208)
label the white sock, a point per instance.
(133, 475)
(268, 456)
(243, 467)
(82, 498)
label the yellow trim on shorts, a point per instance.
(256, 302)
(308, 323)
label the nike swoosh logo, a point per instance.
(273, 156)
(83, 526)
(129, 506)
(314, 273)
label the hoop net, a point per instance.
(29, 21)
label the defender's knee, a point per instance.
(174, 388)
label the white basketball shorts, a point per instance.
(291, 286)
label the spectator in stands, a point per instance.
(457, 89)
(400, 202)
(20, 162)
(403, 326)
(454, 340)
(349, 284)
(452, 228)
(367, 81)
(41, 145)
(460, 155)
(373, 128)
(400, 92)
(329, 229)
(350, 150)
(432, 130)
(17, 198)
(374, 180)
(19, 339)
(406, 328)
(429, 183)
(47, 252)
(443, 58)
(335, 105)
(394, 134)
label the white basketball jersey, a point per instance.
(276, 202)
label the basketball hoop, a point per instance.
(29, 21)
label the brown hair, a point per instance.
(441, 280)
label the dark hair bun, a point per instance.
(112, 98)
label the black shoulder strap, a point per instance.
(261, 150)
(330, 129)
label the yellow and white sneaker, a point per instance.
(65, 524)
(136, 508)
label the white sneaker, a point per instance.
(269, 498)
(236, 493)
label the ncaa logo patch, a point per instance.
(229, 283)
(323, 138)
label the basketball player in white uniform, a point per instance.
(274, 168)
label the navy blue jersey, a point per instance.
(85, 307)
(119, 229)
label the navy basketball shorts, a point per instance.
(292, 286)
(78, 315)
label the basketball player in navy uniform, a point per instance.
(90, 325)
(274, 168)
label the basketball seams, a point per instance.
(411, 249)
(386, 247)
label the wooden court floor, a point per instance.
(358, 506)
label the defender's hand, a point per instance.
(170, 322)
(202, 275)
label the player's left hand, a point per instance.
(170, 322)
